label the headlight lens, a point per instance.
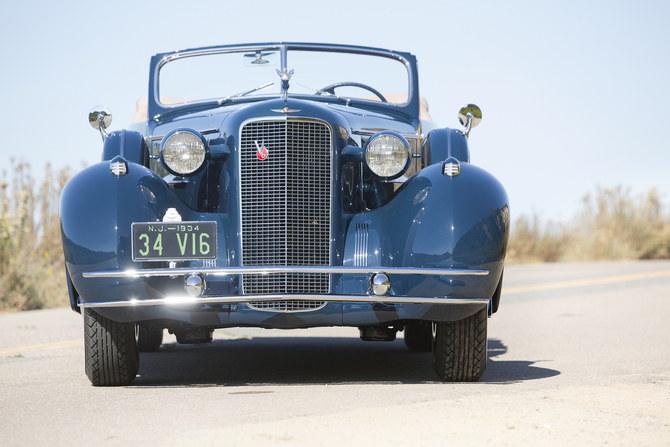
(183, 152)
(388, 155)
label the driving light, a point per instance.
(380, 284)
(387, 155)
(194, 284)
(183, 152)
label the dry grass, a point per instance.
(32, 271)
(613, 224)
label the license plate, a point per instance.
(167, 241)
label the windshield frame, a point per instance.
(158, 109)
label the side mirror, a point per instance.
(100, 118)
(469, 116)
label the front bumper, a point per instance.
(225, 271)
(230, 271)
(347, 309)
(238, 299)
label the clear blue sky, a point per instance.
(575, 94)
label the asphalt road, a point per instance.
(579, 354)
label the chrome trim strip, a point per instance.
(223, 271)
(361, 245)
(236, 299)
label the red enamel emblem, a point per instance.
(262, 153)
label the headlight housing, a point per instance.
(183, 152)
(388, 155)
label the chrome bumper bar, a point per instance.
(237, 299)
(224, 271)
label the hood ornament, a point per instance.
(285, 76)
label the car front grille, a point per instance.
(287, 306)
(285, 203)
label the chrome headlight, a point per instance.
(387, 154)
(183, 152)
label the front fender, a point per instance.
(438, 221)
(129, 144)
(441, 144)
(97, 209)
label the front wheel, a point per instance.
(150, 339)
(111, 353)
(419, 336)
(459, 348)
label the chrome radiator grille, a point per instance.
(287, 306)
(285, 203)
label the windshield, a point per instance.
(236, 74)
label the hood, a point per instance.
(227, 119)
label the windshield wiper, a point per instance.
(321, 92)
(228, 98)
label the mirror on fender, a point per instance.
(469, 116)
(100, 118)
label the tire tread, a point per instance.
(459, 349)
(111, 355)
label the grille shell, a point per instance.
(285, 203)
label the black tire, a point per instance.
(110, 347)
(459, 349)
(149, 339)
(419, 337)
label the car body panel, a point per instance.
(452, 229)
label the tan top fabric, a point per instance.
(399, 98)
(142, 107)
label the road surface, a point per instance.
(579, 354)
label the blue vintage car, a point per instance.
(284, 185)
